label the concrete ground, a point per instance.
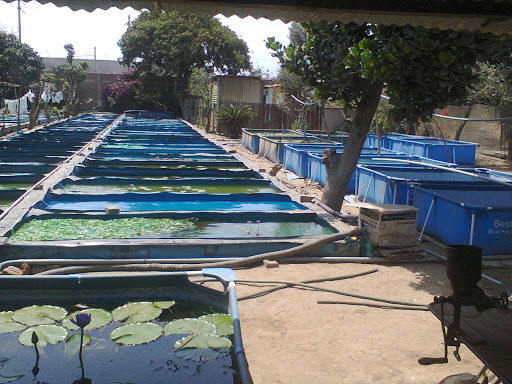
(290, 338)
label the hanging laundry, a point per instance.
(24, 104)
(30, 96)
(12, 106)
(59, 96)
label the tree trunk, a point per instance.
(461, 127)
(411, 128)
(340, 167)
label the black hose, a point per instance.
(239, 262)
(346, 218)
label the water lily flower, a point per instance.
(81, 319)
(445, 112)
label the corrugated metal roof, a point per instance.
(486, 15)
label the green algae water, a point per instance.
(140, 342)
(162, 228)
(5, 203)
(4, 186)
(100, 189)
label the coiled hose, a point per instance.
(238, 262)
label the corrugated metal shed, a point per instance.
(239, 89)
(493, 16)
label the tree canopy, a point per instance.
(420, 69)
(19, 64)
(171, 45)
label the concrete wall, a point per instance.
(334, 119)
(95, 66)
(485, 133)
(92, 89)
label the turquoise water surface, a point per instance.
(140, 206)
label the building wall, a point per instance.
(95, 66)
(485, 133)
(92, 90)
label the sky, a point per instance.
(47, 28)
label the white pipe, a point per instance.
(472, 231)
(317, 165)
(475, 175)
(368, 188)
(426, 218)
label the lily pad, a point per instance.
(9, 370)
(136, 333)
(99, 318)
(164, 304)
(136, 312)
(222, 321)
(189, 326)
(47, 334)
(7, 325)
(39, 315)
(73, 343)
(202, 347)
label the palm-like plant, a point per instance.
(235, 117)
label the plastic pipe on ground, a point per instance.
(344, 293)
(319, 280)
(7, 263)
(301, 249)
(385, 306)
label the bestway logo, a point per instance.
(502, 224)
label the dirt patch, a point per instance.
(290, 338)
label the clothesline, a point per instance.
(21, 105)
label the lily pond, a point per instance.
(135, 342)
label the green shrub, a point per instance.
(235, 117)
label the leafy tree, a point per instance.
(494, 88)
(171, 44)
(421, 70)
(235, 117)
(19, 65)
(67, 77)
(297, 34)
(199, 86)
